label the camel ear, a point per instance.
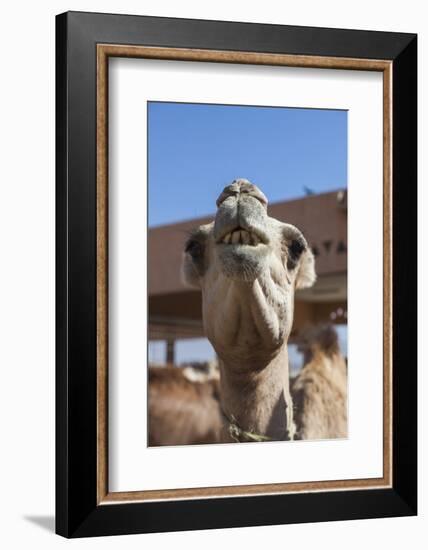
(300, 258)
(306, 275)
(189, 273)
(193, 259)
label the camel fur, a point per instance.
(319, 392)
(248, 267)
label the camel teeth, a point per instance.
(241, 236)
(236, 237)
(245, 237)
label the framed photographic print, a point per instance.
(236, 274)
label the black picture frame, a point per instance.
(77, 511)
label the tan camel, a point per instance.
(248, 267)
(319, 391)
(184, 402)
(182, 412)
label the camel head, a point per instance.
(248, 266)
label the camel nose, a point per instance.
(239, 188)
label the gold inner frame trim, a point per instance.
(104, 51)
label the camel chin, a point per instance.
(242, 262)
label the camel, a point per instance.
(181, 411)
(185, 408)
(248, 266)
(319, 391)
(201, 372)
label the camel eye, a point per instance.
(194, 248)
(295, 249)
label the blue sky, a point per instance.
(197, 149)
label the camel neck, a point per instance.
(259, 401)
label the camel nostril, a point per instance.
(255, 193)
(229, 191)
(242, 187)
(261, 198)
